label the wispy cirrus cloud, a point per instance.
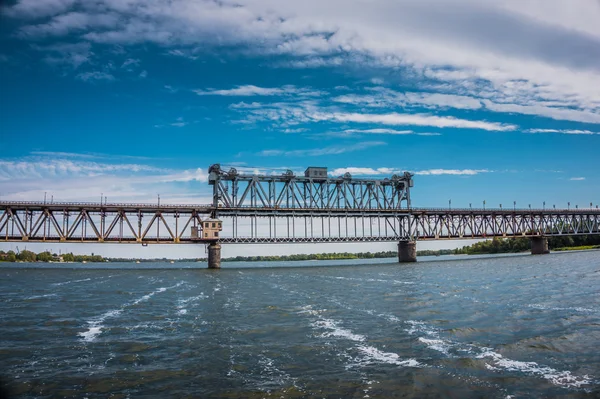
(378, 131)
(561, 131)
(411, 120)
(52, 167)
(69, 179)
(287, 114)
(314, 152)
(251, 90)
(453, 172)
(179, 122)
(358, 171)
(95, 76)
(577, 178)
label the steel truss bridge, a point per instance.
(286, 209)
(151, 224)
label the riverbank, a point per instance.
(582, 248)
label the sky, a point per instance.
(131, 99)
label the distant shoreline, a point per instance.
(297, 258)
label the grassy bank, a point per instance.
(582, 248)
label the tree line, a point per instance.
(46, 256)
(511, 245)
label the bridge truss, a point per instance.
(286, 208)
(150, 224)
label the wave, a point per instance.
(71, 282)
(557, 377)
(576, 308)
(367, 354)
(40, 296)
(496, 362)
(96, 325)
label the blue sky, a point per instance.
(130, 99)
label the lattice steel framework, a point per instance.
(234, 190)
(285, 208)
(85, 222)
(130, 223)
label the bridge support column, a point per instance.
(407, 251)
(214, 255)
(539, 246)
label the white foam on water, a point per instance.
(182, 303)
(71, 282)
(96, 326)
(368, 354)
(497, 361)
(557, 377)
(308, 309)
(193, 299)
(150, 295)
(372, 354)
(437, 344)
(336, 331)
(41, 296)
(577, 308)
(91, 333)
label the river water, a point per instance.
(507, 327)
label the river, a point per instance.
(493, 327)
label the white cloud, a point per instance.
(82, 180)
(384, 97)
(549, 112)
(60, 154)
(179, 122)
(68, 22)
(535, 58)
(38, 8)
(355, 171)
(378, 131)
(412, 120)
(313, 152)
(577, 178)
(251, 90)
(130, 62)
(66, 54)
(455, 172)
(392, 171)
(95, 76)
(51, 167)
(561, 131)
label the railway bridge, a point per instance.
(286, 208)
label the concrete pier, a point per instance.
(539, 246)
(407, 251)
(214, 255)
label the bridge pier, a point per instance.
(539, 246)
(407, 251)
(214, 255)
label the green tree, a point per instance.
(44, 256)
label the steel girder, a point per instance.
(131, 223)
